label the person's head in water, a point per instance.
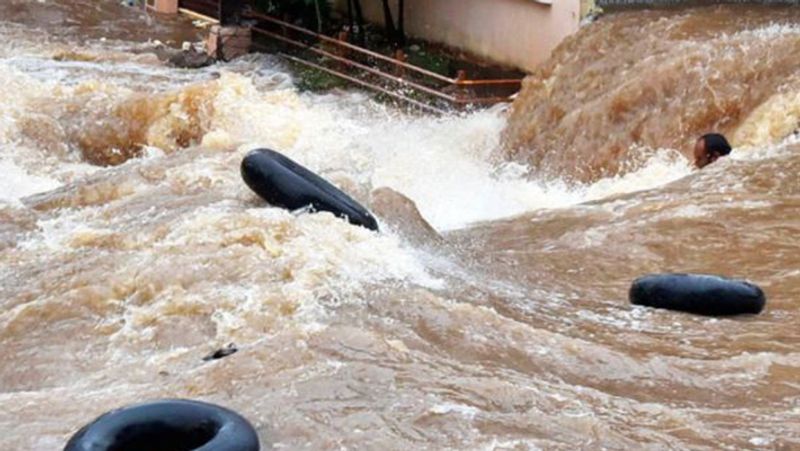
(709, 148)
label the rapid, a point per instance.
(130, 248)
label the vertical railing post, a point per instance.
(340, 50)
(460, 90)
(400, 56)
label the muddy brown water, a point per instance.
(130, 249)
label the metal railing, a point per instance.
(379, 56)
(389, 75)
(385, 74)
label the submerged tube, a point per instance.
(697, 293)
(284, 183)
(168, 425)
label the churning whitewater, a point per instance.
(130, 248)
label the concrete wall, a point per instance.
(520, 33)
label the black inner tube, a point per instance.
(284, 183)
(703, 294)
(168, 425)
(157, 436)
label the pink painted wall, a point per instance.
(521, 33)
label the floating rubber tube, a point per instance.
(284, 183)
(698, 293)
(168, 425)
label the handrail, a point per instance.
(394, 78)
(377, 72)
(199, 16)
(411, 67)
(406, 99)
(460, 98)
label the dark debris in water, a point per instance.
(221, 353)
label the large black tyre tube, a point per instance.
(698, 293)
(167, 425)
(284, 183)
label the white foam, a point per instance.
(17, 183)
(754, 153)
(445, 167)
(460, 409)
(323, 261)
(770, 32)
(444, 164)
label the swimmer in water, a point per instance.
(709, 148)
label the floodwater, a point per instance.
(130, 248)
